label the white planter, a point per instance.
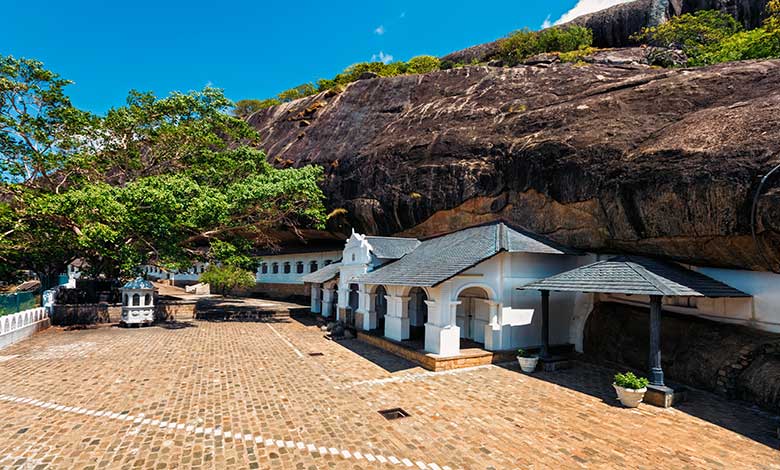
(527, 364)
(629, 397)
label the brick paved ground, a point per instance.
(248, 395)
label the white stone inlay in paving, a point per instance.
(173, 426)
(300, 354)
(415, 377)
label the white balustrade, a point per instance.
(18, 326)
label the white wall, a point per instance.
(293, 277)
(22, 325)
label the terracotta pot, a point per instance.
(527, 364)
(629, 397)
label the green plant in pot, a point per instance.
(630, 389)
(527, 360)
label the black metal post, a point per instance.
(545, 324)
(656, 372)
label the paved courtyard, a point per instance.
(250, 395)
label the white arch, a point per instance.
(406, 290)
(489, 290)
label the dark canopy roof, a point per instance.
(637, 276)
(392, 247)
(325, 274)
(444, 257)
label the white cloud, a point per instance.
(583, 7)
(547, 22)
(380, 30)
(382, 57)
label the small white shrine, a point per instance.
(138, 302)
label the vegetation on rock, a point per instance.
(523, 44)
(711, 37)
(159, 180)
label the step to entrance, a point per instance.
(470, 357)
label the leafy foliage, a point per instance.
(523, 353)
(245, 108)
(525, 43)
(711, 37)
(629, 380)
(223, 279)
(159, 180)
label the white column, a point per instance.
(442, 335)
(493, 330)
(316, 301)
(397, 318)
(367, 302)
(341, 313)
(327, 302)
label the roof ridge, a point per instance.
(648, 276)
(392, 238)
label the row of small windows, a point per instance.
(286, 267)
(136, 300)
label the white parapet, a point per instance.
(19, 326)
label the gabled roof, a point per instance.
(441, 258)
(637, 275)
(325, 274)
(392, 247)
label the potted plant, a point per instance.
(630, 389)
(527, 361)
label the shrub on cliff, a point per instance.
(522, 44)
(711, 37)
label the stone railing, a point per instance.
(22, 325)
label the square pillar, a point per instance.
(366, 310)
(341, 314)
(656, 372)
(397, 318)
(316, 301)
(442, 335)
(327, 302)
(493, 330)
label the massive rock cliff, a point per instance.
(598, 157)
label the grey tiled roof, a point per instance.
(441, 258)
(391, 247)
(138, 283)
(637, 276)
(323, 275)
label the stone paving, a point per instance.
(249, 395)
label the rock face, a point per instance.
(598, 157)
(733, 361)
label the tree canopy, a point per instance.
(159, 180)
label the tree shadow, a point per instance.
(386, 360)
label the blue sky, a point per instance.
(251, 49)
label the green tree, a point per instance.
(245, 108)
(696, 34)
(224, 279)
(525, 43)
(423, 64)
(162, 180)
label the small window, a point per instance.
(126, 300)
(275, 268)
(148, 299)
(287, 267)
(136, 300)
(313, 266)
(299, 267)
(353, 256)
(264, 268)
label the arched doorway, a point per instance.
(473, 313)
(418, 313)
(380, 307)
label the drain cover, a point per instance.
(394, 413)
(316, 354)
